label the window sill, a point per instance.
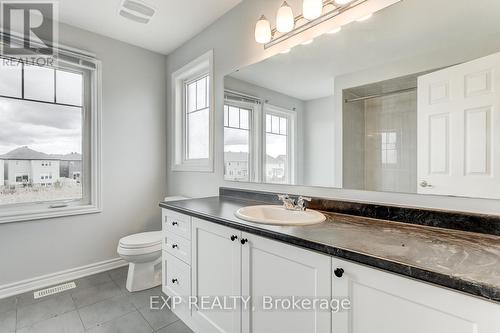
(31, 215)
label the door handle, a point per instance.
(425, 184)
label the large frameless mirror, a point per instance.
(407, 101)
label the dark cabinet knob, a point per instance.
(339, 272)
(175, 223)
(243, 241)
(175, 280)
(234, 237)
(174, 246)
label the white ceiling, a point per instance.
(174, 23)
(411, 28)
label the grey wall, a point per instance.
(133, 164)
(319, 158)
(232, 39)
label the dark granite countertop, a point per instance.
(464, 261)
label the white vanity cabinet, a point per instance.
(274, 269)
(216, 271)
(389, 303)
(227, 262)
(176, 260)
(214, 260)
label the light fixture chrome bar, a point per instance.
(364, 98)
(240, 97)
(311, 24)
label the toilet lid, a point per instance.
(144, 239)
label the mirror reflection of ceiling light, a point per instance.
(364, 18)
(285, 51)
(308, 42)
(334, 31)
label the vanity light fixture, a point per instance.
(263, 30)
(315, 12)
(312, 9)
(342, 2)
(285, 21)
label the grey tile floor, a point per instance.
(99, 304)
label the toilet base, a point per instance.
(144, 275)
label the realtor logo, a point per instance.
(28, 27)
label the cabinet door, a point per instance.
(271, 268)
(216, 272)
(389, 303)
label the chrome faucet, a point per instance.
(288, 203)
(301, 203)
(291, 204)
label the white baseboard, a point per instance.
(50, 279)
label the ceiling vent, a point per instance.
(136, 11)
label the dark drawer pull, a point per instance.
(175, 281)
(243, 241)
(175, 223)
(339, 272)
(174, 246)
(234, 237)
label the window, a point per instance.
(237, 124)
(193, 116)
(278, 147)
(197, 118)
(49, 116)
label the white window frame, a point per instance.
(292, 146)
(92, 150)
(254, 129)
(195, 69)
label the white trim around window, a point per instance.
(80, 61)
(198, 68)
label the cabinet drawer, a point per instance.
(178, 247)
(177, 276)
(177, 223)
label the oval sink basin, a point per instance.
(277, 215)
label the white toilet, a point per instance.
(143, 253)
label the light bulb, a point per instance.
(284, 19)
(342, 2)
(311, 9)
(364, 18)
(334, 31)
(263, 30)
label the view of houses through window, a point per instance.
(238, 142)
(277, 170)
(40, 133)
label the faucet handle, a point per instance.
(301, 202)
(283, 197)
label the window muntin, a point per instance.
(389, 150)
(197, 118)
(277, 148)
(237, 133)
(42, 120)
